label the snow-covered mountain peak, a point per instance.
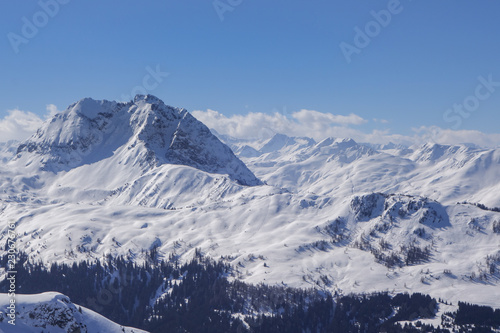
(345, 142)
(143, 132)
(344, 150)
(337, 143)
(149, 106)
(90, 108)
(277, 142)
(147, 99)
(434, 152)
(282, 142)
(326, 142)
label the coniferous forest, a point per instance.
(198, 297)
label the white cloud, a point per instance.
(449, 136)
(20, 125)
(262, 126)
(308, 123)
(320, 125)
(252, 125)
(51, 111)
(315, 117)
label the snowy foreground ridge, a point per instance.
(54, 312)
(119, 178)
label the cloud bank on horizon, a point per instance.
(20, 125)
(319, 125)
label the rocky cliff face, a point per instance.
(144, 131)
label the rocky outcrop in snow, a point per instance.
(53, 312)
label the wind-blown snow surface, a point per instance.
(337, 214)
(54, 313)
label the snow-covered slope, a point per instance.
(52, 312)
(342, 167)
(120, 178)
(368, 242)
(142, 152)
(8, 150)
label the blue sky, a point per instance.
(262, 56)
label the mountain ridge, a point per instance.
(90, 130)
(342, 166)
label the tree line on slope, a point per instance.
(198, 297)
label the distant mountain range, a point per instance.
(342, 167)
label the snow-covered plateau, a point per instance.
(119, 178)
